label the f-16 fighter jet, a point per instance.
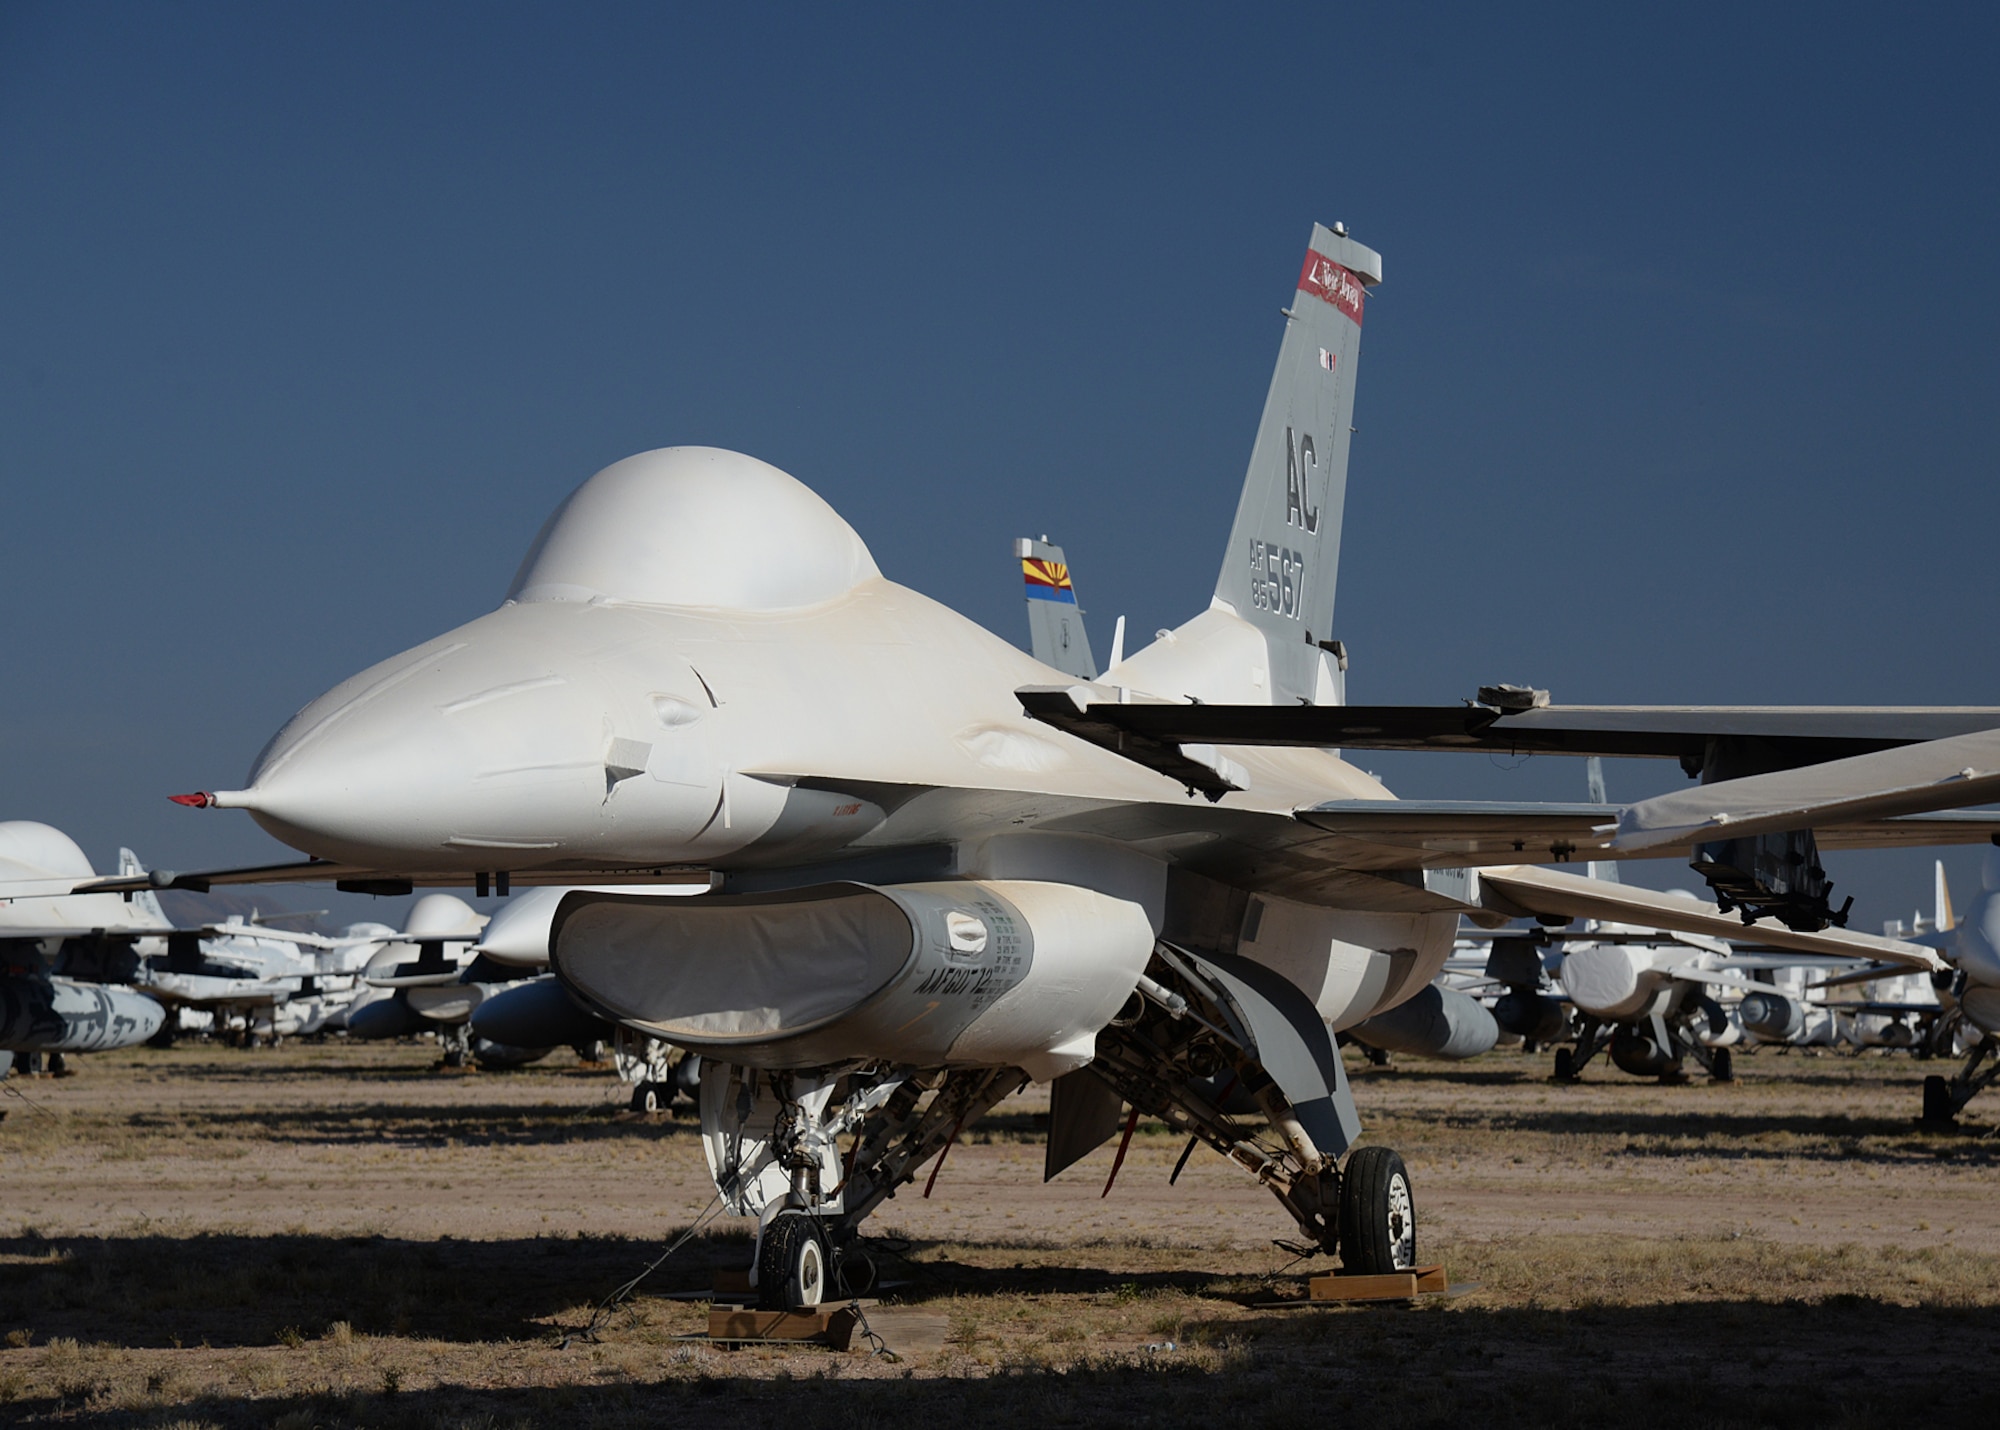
(917, 895)
(1968, 1013)
(63, 956)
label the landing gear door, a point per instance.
(1294, 1045)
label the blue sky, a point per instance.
(1681, 385)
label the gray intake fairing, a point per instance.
(731, 970)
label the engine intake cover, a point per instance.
(966, 972)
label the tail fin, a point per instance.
(145, 900)
(1943, 920)
(1284, 551)
(1266, 635)
(1593, 774)
(1055, 622)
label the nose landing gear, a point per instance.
(793, 1264)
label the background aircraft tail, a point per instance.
(1055, 622)
(1266, 637)
(1593, 775)
(145, 901)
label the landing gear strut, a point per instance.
(1188, 1054)
(1945, 1098)
(658, 1072)
(1592, 1037)
(772, 1141)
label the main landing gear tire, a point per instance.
(652, 1097)
(1721, 1066)
(1565, 1065)
(794, 1266)
(1378, 1219)
(1938, 1108)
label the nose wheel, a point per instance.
(793, 1264)
(1378, 1217)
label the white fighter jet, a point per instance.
(541, 1013)
(258, 982)
(934, 869)
(1971, 1001)
(63, 956)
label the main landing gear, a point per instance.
(1222, 1050)
(773, 1146)
(657, 1072)
(1192, 1052)
(1945, 1098)
(1655, 1048)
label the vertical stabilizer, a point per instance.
(1284, 550)
(1943, 919)
(1593, 774)
(145, 900)
(1055, 621)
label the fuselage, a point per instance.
(827, 714)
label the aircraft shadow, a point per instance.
(226, 1289)
(484, 1124)
(256, 1065)
(1789, 1365)
(1747, 1135)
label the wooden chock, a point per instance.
(1393, 1286)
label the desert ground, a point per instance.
(335, 1234)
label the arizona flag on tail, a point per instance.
(1047, 580)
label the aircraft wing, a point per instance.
(1442, 832)
(30, 933)
(1548, 893)
(1936, 774)
(1889, 1008)
(1150, 732)
(1871, 974)
(356, 879)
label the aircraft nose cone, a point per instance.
(444, 757)
(494, 748)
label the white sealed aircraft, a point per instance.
(936, 869)
(63, 955)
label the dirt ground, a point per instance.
(335, 1234)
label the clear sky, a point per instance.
(1682, 384)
